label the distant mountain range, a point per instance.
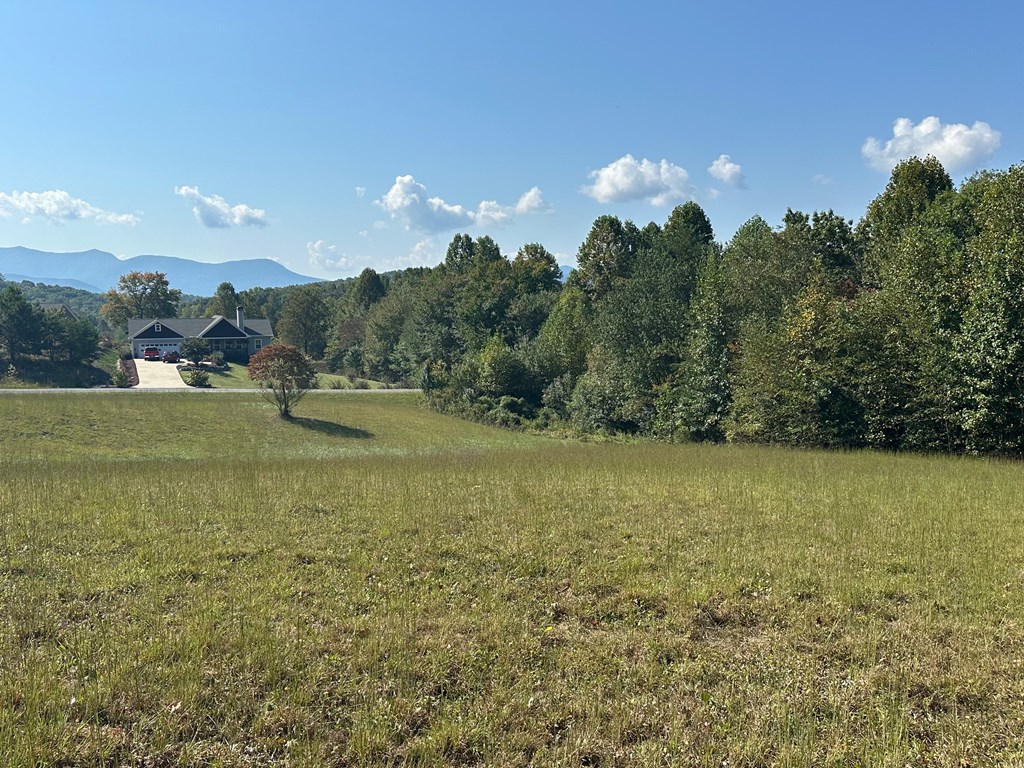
(99, 271)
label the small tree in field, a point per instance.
(285, 376)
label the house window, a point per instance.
(259, 343)
(157, 327)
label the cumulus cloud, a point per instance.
(628, 179)
(325, 256)
(423, 253)
(408, 202)
(214, 211)
(490, 214)
(956, 146)
(532, 201)
(58, 207)
(728, 172)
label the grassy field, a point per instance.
(188, 580)
(236, 377)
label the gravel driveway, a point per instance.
(156, 375)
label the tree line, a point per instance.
(902, 331)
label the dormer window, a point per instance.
(157, 327)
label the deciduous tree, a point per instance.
(224, 302)
(534, 269)
(285, 375)
(140, 294)
(366, 290)
(304, 320)
(608, 253)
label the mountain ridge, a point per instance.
(101, 270)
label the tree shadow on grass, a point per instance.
(330, 428)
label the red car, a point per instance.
(171, 357)
(151, 353)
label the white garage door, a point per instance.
(163, 346)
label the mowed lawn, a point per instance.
(237, 377)
(188, 580)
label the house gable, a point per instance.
(165, 332)
(222, 329)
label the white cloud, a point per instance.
(627, 179)
(327, 257)
(822, 179)
(214, 211)
(532, 201)
(490, 214)
(407, 201)
(728, 172)
(58, 207)
(360, 191)
(423, 253)
(956, 146)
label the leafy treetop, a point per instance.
(140, 294)
(285, 375)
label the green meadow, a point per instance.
(188, 580)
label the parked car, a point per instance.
(172, 357)
(151, 353)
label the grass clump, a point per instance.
(384, 586)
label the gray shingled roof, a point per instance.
(193, 327)
(59, 306)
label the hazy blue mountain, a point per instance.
(99, 270)
(566, 269)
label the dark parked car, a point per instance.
(151, 353)
(171, 357)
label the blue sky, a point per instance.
(332, 138)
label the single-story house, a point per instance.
(236, 338)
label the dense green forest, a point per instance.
(85, 304)
(900, 331)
